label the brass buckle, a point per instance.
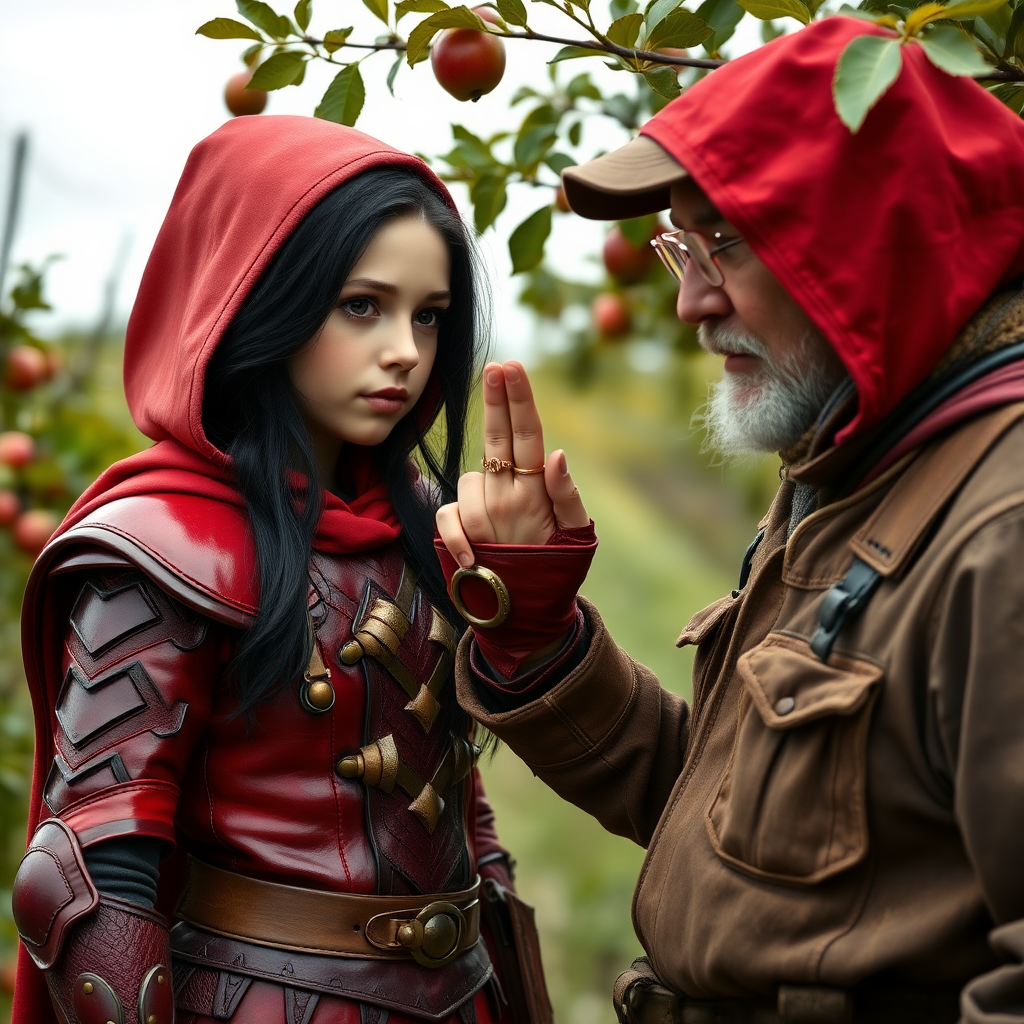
(433, 935)
(500, 592)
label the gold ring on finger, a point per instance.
(496, 465)
(500, 592)
(527, 472)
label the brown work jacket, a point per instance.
(825, 822)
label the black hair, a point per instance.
(251, 411)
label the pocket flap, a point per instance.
(791, 686)
(704, 622)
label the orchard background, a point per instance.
(620, 380)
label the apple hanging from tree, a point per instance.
(626, 262)
(610, 315)
(27, 366)
(10, 506)
(240, 100)
(468, 62)
(33, 529)
(16, 449)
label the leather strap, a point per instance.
(431, 929)
(892, 535)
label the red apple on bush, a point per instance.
(240, 100)
(9, 507)
(626, 262)
(560, 200)
(610, 315)
(468, 62)
(33, 529)
(26, 367)
(16, 449)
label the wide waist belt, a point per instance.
(432, 930)
(795, 1004)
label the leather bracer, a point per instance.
(105, 960)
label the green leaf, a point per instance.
(418, 46)
(418, 7)
(865, 69)
(265, 17)
(1015, 34)
(575, 133)
(625, 31)
(476, 152)
(951, 51)
(581, 86)
(513, 11)
(227, 28)
(344, 97)
(572, 52)
(973, 9)
(488, 196)
(393, 73)
(766, 10)
(620, 8)
(680, 29)
(303, 13)
(336, 39)
(921, 16)
(558, 162)
(526, 244)
(1011, 94)
(723, 16)
(657, 11)
(250, 53)
(639, 230)
(277, 71)
(378, 8)
(532, 144)
(664, 81)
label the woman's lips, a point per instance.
(387, 400)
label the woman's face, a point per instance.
(371, 360)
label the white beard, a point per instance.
(769, 409)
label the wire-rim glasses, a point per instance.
(676, 248)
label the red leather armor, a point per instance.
(146, 742)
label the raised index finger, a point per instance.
(527, 431)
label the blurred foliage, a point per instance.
(65, 409)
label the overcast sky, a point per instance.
(114, 94)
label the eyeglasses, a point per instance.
(675, 249)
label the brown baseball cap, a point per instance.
(627, 182)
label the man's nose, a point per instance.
(698, 299)
(400, 347)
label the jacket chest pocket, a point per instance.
(792, 805)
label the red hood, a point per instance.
(889, 239)
(243, 191)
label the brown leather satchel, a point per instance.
(517, 950)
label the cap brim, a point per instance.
(628, 182)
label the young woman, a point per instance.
(255, 796)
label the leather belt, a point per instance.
(432, 930)
(795, 1004)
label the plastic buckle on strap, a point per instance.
(845, 600)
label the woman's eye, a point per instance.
(428, 317)
(360, 306)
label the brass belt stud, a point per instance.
(317, 696)
(351, 652)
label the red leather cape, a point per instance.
(243, 191)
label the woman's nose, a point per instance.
(400, 348)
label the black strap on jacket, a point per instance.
(843, 602)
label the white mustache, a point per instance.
(723, 340)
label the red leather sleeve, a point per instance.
(138, 671)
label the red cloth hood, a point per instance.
(243, 191)
(889, 239)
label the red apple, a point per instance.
(10, 506)
(560, 201)
(626, 262)
(487, 14)
(26, 367)
(16, 449)
(610, 315)
(468, 62)
(33, 529)
(240, 100)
